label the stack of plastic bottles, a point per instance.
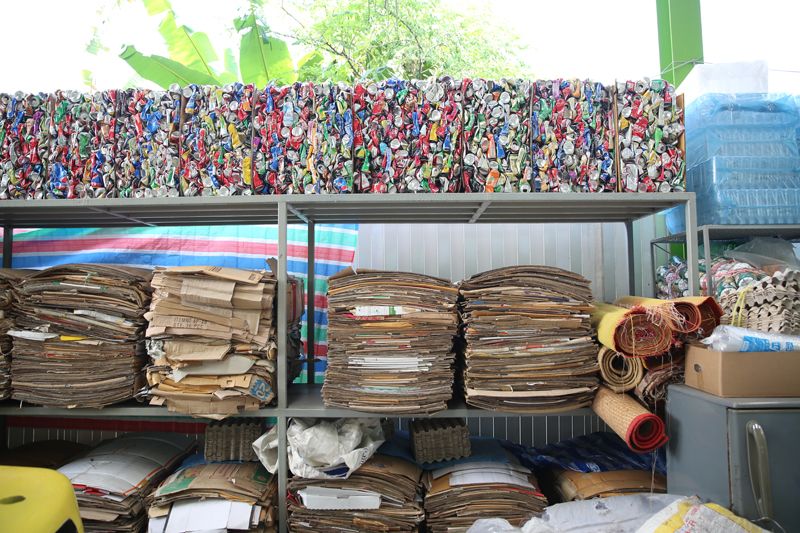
(742, 158)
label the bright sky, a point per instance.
(598, 39)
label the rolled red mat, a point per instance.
(642, 430)
(681, 316)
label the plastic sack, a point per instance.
(689, 515)
(597, 452)
(733, 339)
(322, 448)
(767, 253)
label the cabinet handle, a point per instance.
(758, 462)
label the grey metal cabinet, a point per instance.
(741, 453)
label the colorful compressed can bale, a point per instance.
(24, 145)
(650, 126)
(497, 135)
(216, 139)
(573, 145)
(147, 146)
(330, 140)
(279, 135)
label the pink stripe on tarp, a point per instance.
(170, 244)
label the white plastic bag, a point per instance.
(322, 448)
(733, 339)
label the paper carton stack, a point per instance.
(390, 337)
(439, 439)
(384, 494)
(529, 345)
(112, 479)
(212, 340)
(771, 305)
(79, 337)
(458, 495)
(217, 497)
(9, 278)
(232, 439)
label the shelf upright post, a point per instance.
(710, 287)
(691, 246)
(283, 386)
(311, 309)
(8, 244)
(631, 258)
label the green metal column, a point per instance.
(680, 37)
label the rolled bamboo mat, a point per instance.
(683, 317)
(621, 374)
(630, 332)
(642, 430)
(673, 357)
(710, 312)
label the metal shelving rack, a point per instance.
(711, 233)
(301, 399)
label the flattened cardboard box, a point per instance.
(584, 486)
(743, 374)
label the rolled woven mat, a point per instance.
(683, 317)
(710, 312)
(672, 357)
(653, 387)
(630, 332)
(642, 430)
(621, 374)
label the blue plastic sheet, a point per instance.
(596, 452)
(746, 109)
(484, 449)
(740, 141)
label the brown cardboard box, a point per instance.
(743, 374)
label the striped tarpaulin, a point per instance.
(230, 246)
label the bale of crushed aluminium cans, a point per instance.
(147, 149)
(330, 140)
(24, 144)
(650, 127)
(573, 145)
(277, 133)
(297, 110)
(215, 140)
(496, 135)
(449, 149)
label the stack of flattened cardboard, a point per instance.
(567, 485)
(218, 497)
(390, 337)
(212, 340)
(79, 335)
(232, 439)
(458, 495)
(384, 494)
(529, 345)
(439, 439)
(111, 480)
(9, 278)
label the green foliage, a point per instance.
(410, 39)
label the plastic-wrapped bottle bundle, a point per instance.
(573, 146)
(650, 125)
(24, 145)
(147, 143)
(497, 135)
(215, 136)
(741, 109)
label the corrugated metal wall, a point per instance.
(457, 251)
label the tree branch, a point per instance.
(413, 34)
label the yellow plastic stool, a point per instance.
(37, 500)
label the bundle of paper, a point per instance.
(222, 497)
(390, 338)
(529, 345)
(212, 340)
(232, 439)
(111, 480)
(9, 278)
(458, 495)
(439, 439)
(79, 335)
(384, 494)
